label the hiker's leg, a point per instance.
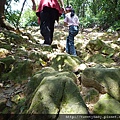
(67, 45)
(45, 25)
(52, 22)
(72, 34)
(72, 49)
(53, 16)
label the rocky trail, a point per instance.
(21, 56)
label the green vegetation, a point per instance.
(103, 14)
(29, 18)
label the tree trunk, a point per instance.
(3, 22)
(2, 7)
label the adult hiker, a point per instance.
(48, 11)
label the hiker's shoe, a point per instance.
(45, 45)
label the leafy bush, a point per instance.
(12, 17)
(114, 27)
(29, 18)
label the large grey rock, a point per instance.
(103, 79)
(99, 45)
(64, 62)
(90, 95)
(46, 72)
(57, 95)
(99, 58)
(107, 105)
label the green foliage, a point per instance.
(102, 13)
(29, 18)
(12, 17)
(114, 27)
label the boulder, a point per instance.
(103, 79)
(57, 95)
(107, 105)
(90, 95)
(46, 72)
(7, 61)
(99, 58)
(99, 45)
(64, 62)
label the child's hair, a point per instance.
(72, 13)
(68, 8)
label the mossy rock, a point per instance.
(20, 71)
(21, 52)
(99, 45)
(63, 62)
(107, 50)
(8, 61)
(99, 58)
(107, 78)
(95, 45)
(38, 77)
(36, 55)
(45, 72)
(57, 95)
(107, 105)
(91, 96)
(12, 37)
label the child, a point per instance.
(72, 21)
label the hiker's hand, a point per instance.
(63, 9)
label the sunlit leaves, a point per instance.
(102, 13)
